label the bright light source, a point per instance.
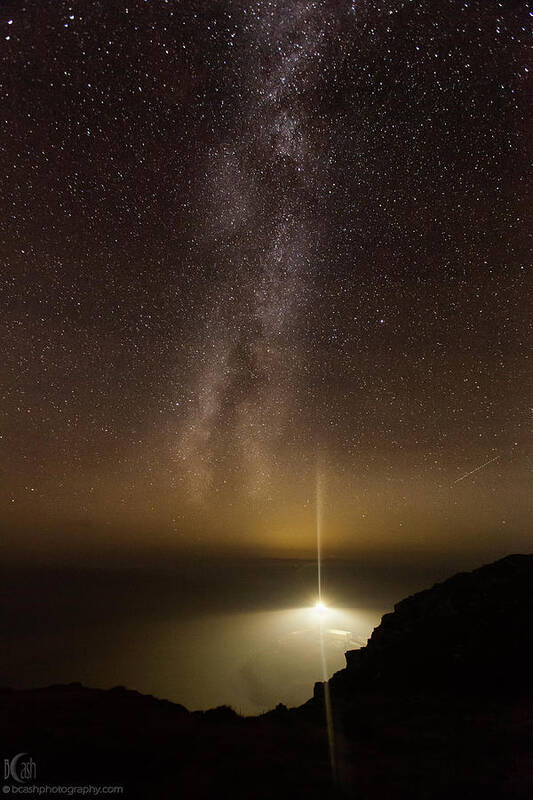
(320, 609)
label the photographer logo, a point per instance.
(20, 768)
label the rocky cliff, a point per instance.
(471, 632)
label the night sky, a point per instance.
(245, 243)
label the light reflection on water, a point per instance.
(251, 661)
(201, 634)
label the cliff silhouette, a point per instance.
(438, 704)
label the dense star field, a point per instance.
(243, 241)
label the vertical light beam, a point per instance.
(319, 532)
(325, 675)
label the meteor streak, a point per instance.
(476, 469)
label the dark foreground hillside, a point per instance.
(437, 705)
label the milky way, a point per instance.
(243, 237)
(248, 386)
